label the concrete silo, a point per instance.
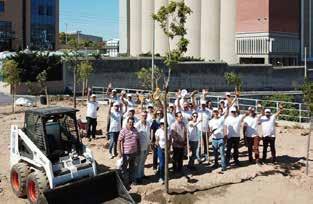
(124, 26)
(210, 29)
(193, 28)
(147, 9)
(228, 31)
(135, 27)
(161, 40)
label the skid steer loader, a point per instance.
(49, 163)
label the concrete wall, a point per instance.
(194, 75)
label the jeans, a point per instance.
(219, 147)
(161, 156)
(128, 168)
(91, 127)
(178, 157)
(155, 158)
(232, 143)
(271, 142)
(140, 164)
(193, 146)
(113, 142)
(253, 147)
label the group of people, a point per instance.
(136, 126)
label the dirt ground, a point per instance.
(284, 182)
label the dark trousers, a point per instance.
(178, 157)
(193, 147)
(91, 127)
(253, 147)
(269, 141)
(205, 147)
(113, 142)
(129, 168)
(232, 143)
(155, 158)
(161, 155)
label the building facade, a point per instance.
(29, 23)
(211, 29)
(268, 32)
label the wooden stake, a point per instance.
(308, 147)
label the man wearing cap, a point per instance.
(205, 116)
(129, 114)
(143, 128)
(232, 130)
(130, 102)
(91, 117)
(268, 123)
(216, 127)
(150, 116)
(129, 148)
(171, 114)
(115, 127)
(178, 134)
(250, 130)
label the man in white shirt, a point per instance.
(150, 116)
(171, 114)
(268, 123)
(129, 114)
(193, 136)
(250, 131)
(232, 130)
(143, 128)
(115, 127)
(216, 126)
(91, 117)
(205, 116)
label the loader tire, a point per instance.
(18, 176)
(37, 183)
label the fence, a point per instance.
(297, 112)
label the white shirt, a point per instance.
(218, 126)
(115, 121)
(170, 119)
(268, 126)
(125, 118)
(130, 104)
(205, 116)
(233, 125)
(186, 116)
(150, 118)
(144, 134)
(162, 140)
(251, 126)
(193, 131)
(92, 107)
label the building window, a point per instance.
(1, 6)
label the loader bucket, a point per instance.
(103, 188)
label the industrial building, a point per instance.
(306, 29)
(211, 29)
(29, 23)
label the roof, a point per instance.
(52, 110)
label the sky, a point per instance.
(94, 17)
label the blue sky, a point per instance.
(95, 17)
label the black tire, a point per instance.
(18, 176)
(37, 183)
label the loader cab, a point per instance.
(54, 131)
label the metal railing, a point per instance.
(297, 112)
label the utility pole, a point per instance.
(305, 64)
(153, 48)
(65, 33)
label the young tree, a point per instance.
(233, 79)
(11, 75)
(172, 18)
(307, 90)
(144, 74)
(42, 80)
(85, 69)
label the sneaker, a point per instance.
(111, 156)
(215, 166)
(89, 139)
(161, 181)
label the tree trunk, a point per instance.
(83, 89)
(308, 146)
(13, 98)
(166, 144)
(47, 97)
(74, 86)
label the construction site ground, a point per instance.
(284, 182)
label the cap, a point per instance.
(233, 109)
(123, 92)
(129, 95)
(227, 94)
(116, 104)
(171, 105)
(215, 109)
(93, 95)
(203, 102)
(131, 109)
(267, 110)
(150, 105)
(162, 120)
(114, 90)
